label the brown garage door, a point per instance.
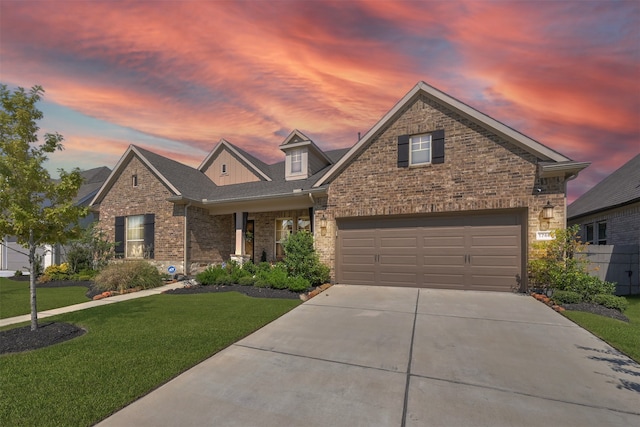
(478, 252)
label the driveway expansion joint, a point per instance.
(318, 359)
(520, 393)
(572, 325)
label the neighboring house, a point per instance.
(13, 256)
(436, 194)
(609, 220)
(609, 213)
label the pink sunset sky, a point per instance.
(177, 76)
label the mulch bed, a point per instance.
(597, 309)
(24, 339)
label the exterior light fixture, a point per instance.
(547, 211)
(323, 225)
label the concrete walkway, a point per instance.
(361, 356)
(89, 304)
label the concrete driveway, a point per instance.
(364, 356)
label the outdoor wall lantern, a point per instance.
(323, 225)
(547, 211)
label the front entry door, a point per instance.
(249, 238)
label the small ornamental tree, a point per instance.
(558, 266)
(34, 208)
(302, 260)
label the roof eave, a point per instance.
(568, 170)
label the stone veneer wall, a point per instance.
(480, 172)
(150, 196)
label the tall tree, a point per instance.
(34, 208)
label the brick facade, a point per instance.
(623, 224)
(480, 172)
(149, 196)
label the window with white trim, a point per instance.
(420, 150)
(284, 227)
(296, 161)
(596, 233)
(135, 237)
(304, 224)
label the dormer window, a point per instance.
(296, 161)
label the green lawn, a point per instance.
(14, 297)
(621, 335)
(130, 348)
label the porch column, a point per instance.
(239, 233)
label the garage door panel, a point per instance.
(482, 252)
(398, 279)
(359, 278)
(505, 261)
(443, 261)
(407, 261)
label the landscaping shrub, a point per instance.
(585, 285)
(210, 275)
(224, 280)
(298, 284)
(250, 268)
(277, 276)
(237, 273)
(557, 267)
(566, 297)
(56, 272)
(128, 275)
(246, 281)
(302, 260)
(611, 301)
(91, 251)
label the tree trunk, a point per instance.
(32, 282)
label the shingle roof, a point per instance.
(189, 182)
(619, 188)
(93, 180)
(279, 186)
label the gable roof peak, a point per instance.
(250, 161)
(295, 137)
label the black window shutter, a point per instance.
(119, 237)
(311, 220)
(149, 234)
(437, 145)
(403, 151)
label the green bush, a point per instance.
(557, 266)
(56, 272)
(128, 275)
(79, 258)
(246, 281)
(239, 273)
(566, 297)
(250, 268)
(276, 277)
(224, 280)
(611, 301)
(302, 260)
(210, 275)
(298, 284)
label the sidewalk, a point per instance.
(90, 304)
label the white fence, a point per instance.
(616, 263)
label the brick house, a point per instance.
(609, 219)
(436, 194)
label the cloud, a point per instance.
(176, 77)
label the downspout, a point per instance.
(185, 268)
